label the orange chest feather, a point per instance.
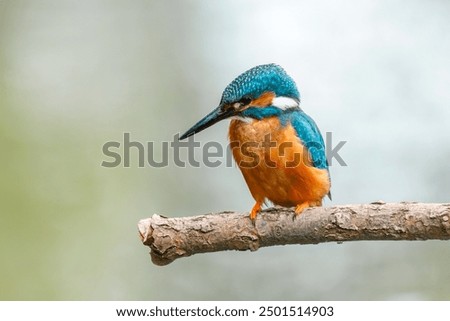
(275, 164)
(265, 142)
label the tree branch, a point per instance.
(172, 238)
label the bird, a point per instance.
(276, 145)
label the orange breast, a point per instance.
(275, 164)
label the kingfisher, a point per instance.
(276, 145)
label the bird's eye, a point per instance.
(244, 101)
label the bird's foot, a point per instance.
(301, 207)
(254, 212)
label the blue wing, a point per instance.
(310, 136)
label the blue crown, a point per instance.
(258, 80)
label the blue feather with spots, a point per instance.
(309, 134)
(260, 79)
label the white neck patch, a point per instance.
(284, 102)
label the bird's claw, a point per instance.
(254, 212)
(299, 210)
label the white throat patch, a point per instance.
(243, 119)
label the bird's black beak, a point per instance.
(213, 117)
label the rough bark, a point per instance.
(172, 238)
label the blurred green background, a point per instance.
(77, 74)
